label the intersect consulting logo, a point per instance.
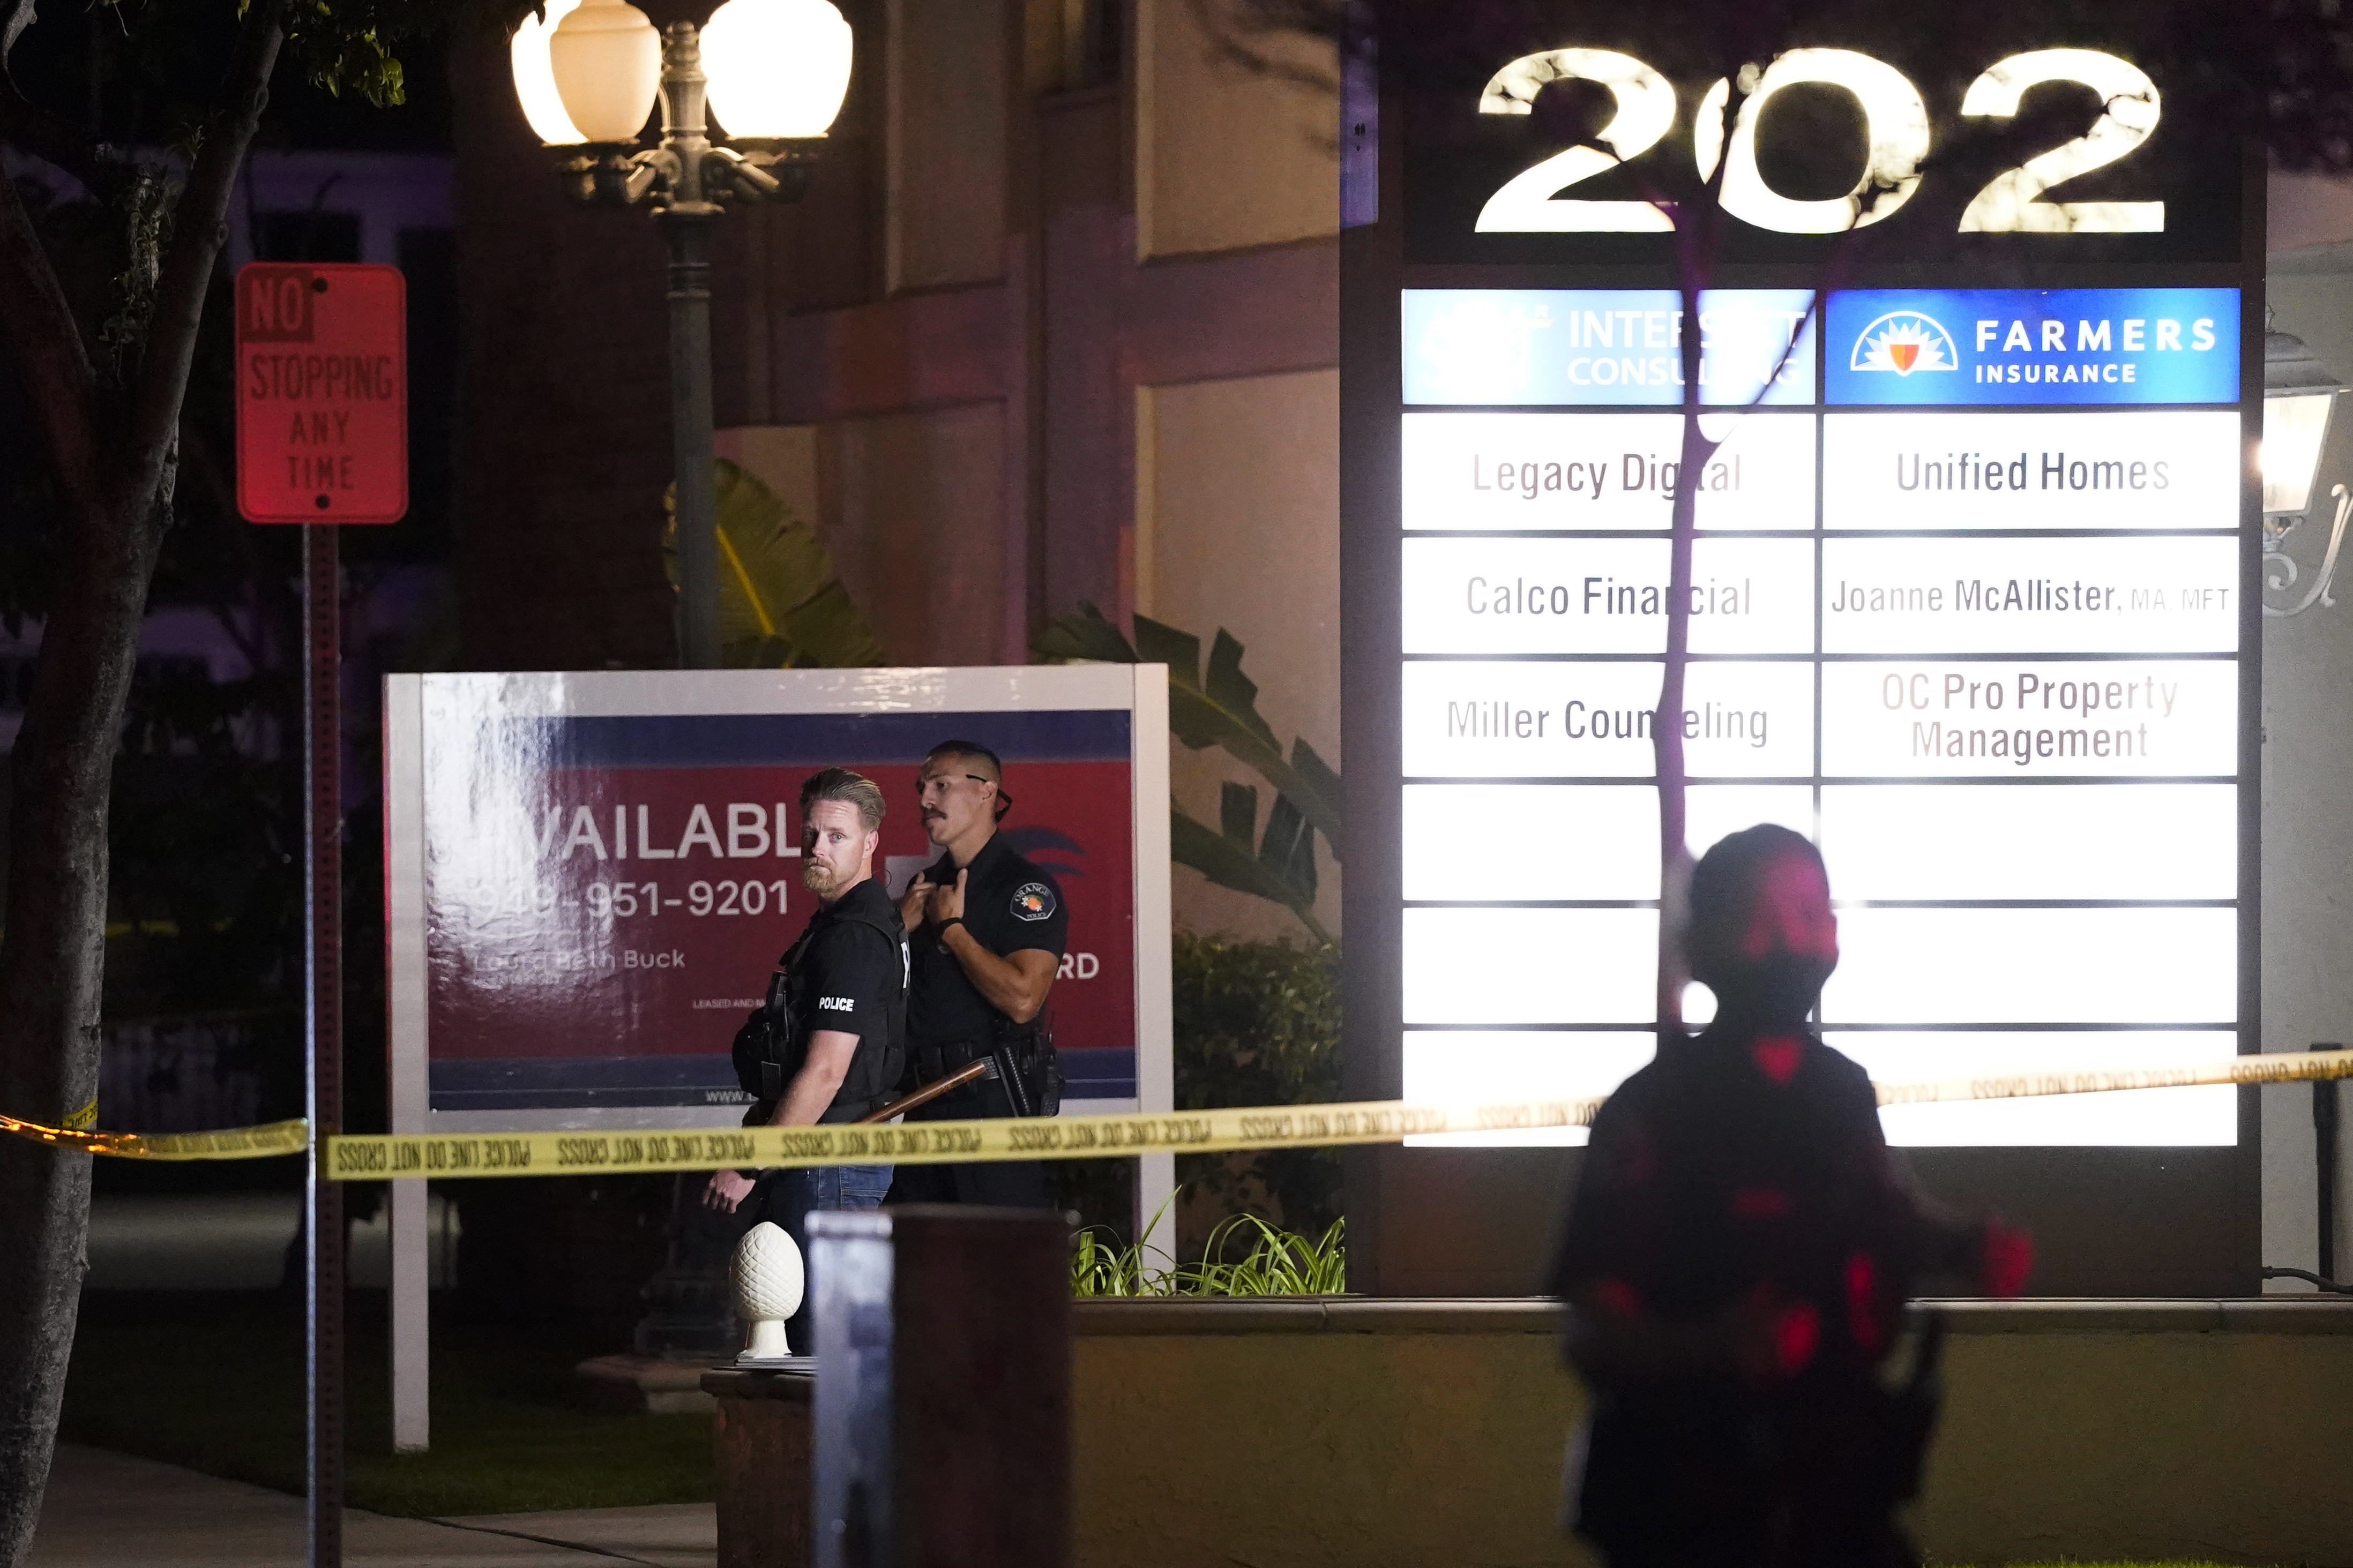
(1905, 341)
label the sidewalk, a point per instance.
(108, 1509)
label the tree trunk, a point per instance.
(1667, 724)
(115, 457)
(51, 966)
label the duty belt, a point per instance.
(933, 1063)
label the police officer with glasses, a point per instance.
(987, 928)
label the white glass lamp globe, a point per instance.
(768, 1278)
(534, 76)
(2295, 425)
(778, 68)
(606, 61)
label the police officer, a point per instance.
(839, 1049)
(987, 928)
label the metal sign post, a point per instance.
(322, 439)
(322, 1321)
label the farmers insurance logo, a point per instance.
(1905, 341)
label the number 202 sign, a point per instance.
(1896, 133)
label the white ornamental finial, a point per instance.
(769, 1279)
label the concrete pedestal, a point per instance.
(760, 1439)
(626, 1384)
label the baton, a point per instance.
(928, 1093)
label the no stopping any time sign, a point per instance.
(321, 394)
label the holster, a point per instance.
(932, 1063)
(1027, 1061)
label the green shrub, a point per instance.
(1258, 1023)
(1271, 1262)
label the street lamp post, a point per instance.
(775, 76)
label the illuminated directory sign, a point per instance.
(1962, 609)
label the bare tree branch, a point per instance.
(20, 16)
(200, 225)
(61, 381)
(34, 130)
(1252, 35)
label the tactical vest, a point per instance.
(773, 1044)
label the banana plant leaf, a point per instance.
(1281, 870)
(1221, 710)
(781, 604)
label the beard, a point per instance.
(819, 878)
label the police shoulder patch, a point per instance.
(1034, 902)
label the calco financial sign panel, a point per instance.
(1964, 606)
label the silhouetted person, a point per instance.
(1737, 1258)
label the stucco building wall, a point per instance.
(1066, 270)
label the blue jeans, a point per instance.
(795, 1194)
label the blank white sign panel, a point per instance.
(1987, 656)
(2034, 966)
(1469, 1067)
(1529, 966)
(1568, 841)
(2206, 1114)
(2139, 841)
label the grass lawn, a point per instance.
(215, 1382)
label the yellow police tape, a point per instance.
(229, 1143)
(363, 1158)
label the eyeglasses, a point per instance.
(1003, 796)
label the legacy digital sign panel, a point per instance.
(1964, 608)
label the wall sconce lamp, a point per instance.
(2299, 395)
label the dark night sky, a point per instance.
(151, 58)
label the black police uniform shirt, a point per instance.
(1010, 906)
(852, 974)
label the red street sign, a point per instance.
(321, 394)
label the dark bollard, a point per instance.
(943, 1405)
(760, 1443)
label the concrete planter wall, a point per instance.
(1415, 1433)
